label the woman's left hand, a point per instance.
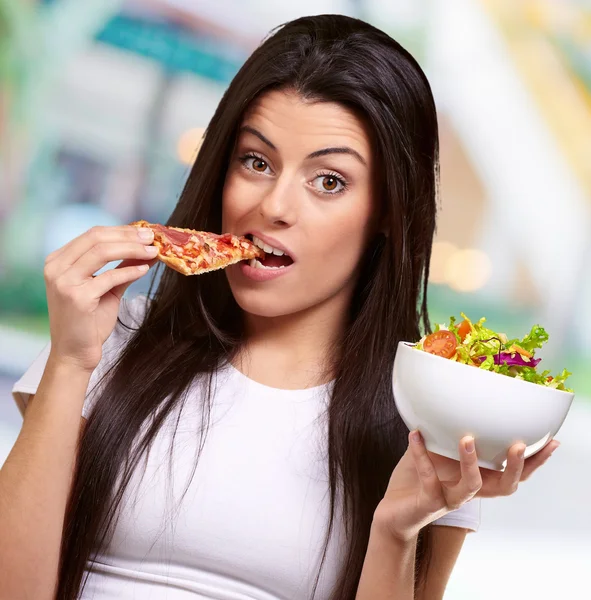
(425, 486)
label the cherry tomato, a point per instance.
(464, 329)
(442, 343)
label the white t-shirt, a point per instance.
(252, 524)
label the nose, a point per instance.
(279, 205)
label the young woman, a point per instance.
(239, 438)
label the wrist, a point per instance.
(386, 538)
(384, 526)
(69, 367)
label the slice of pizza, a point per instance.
(193, 252)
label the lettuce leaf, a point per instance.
(536, 338)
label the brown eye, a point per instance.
(259, 165)
(329, 183)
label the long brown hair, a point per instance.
(193, 324)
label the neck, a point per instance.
(293, 351)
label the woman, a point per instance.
(242, 441)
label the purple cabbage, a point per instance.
(505, 358)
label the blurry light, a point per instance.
(468, 270)
(442, 252)
(189, 144)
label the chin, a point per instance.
(279, 298)
(264, 304)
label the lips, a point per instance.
(261, 273)
(270, 245)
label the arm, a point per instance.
(36, 478)
(34, 485)
(389, 567)
(446, 545)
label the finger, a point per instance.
(116, 280)
(425, 468)
(537, 460)
(509, 480)
(78, 241)
(62, 249)
(53, 255)
(471, 478)
(133, 262)
(103, 253)
(63, 258)
(120, 290)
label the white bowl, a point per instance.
(447, 400)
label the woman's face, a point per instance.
(299, 181)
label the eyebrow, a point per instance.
(316, 154)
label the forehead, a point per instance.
(285, 117)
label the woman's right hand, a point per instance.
(83, 309)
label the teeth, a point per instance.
(268, 249)
(255, 264)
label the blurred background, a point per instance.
(102, 108)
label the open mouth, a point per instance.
(274, 258)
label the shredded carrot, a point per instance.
(519, 350)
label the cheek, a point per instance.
(342, 241)
(237, 200)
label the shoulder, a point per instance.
(132, 312)
(134, 309)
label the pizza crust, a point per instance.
(176, 263)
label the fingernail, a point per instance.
(415, 436)
(145, 234)
(470, 445)
(143, 268)
(152, 250)
(521, 453)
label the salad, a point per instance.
(475, 345)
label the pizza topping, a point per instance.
(178, 238)
(225, 237)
